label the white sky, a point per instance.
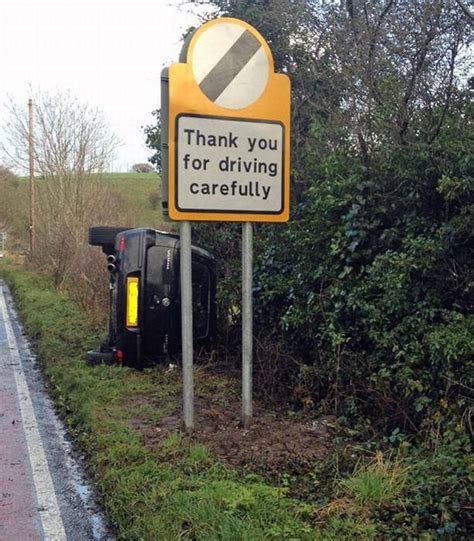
(108, 53)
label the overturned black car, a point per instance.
(145, 307)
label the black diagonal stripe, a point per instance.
(229, 66)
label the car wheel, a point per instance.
(105, 236)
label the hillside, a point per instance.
(135, 189)
(128, 193)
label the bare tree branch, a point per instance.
(71, 138)
(465, 10)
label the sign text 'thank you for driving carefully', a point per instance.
(228, 128)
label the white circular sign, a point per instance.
(230, 65)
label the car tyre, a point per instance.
(103, 235)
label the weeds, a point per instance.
(376, 484)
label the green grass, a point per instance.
(178, 491)
(376, 484)
(135, 189)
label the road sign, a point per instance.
(229, 128)
(235, 73)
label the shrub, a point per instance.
(8, 176)
(142, 168)
(154, 199)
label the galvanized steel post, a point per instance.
(247, 323)
(187, 324)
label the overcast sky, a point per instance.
(108, 53)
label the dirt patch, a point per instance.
(276, 441)
(273, 442)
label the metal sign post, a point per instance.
(187, 324)
(247, 324)
(226, 157)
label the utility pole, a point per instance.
(32, 174)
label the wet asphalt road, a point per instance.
(44, 491)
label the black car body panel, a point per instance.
(152, 257)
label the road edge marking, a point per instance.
(48, 508)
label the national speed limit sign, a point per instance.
(234, 74)
(229, 128)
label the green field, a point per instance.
(135, 189)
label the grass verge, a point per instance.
(175, 492)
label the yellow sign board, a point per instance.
(229, 129)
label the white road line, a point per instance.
(53, 527)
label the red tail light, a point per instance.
(119, 356)
(121, 247)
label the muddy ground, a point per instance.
(278, 440)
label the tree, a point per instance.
(71, 139)
(73, 145)
(13, 208)
(153, 139)
(380, 138)
(142, 168)
(8, 187)
(7, 176)
(361, 70)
